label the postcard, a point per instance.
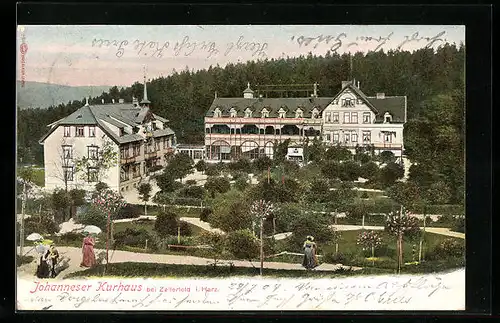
(240, 167)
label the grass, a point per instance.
(149, 226)
(38, 176)
(130, 269)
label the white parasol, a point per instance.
(92, 229)
(34, 237)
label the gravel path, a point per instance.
(74, 256)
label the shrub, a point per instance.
(364, 195)
(133, 237)
(390, 173)
(216, 242)
(217, 185)
(71, 238)
(192, 191)
(212, 171)
(191, 182)
(201, 166)
(241, 183)
(242, 244)
(448, 248)
(185, 228)
(307, 224)
(21, 260)
(339, 258)
(387, 157)
(262, 163)
(459, 225)
(129, 211)
(166, 224)
(357, 211)
(93, 216)
(204, 214)
(155, 168)
(43, 224)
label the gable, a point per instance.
(353, 93)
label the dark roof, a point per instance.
(273, 105)
(395, 105)
(119, 115)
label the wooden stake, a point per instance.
(261, 245)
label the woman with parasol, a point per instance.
(88, 246)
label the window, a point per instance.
(328, 137)
(265, 113)
(217, 113)
(347, 102)
(136, 170)
(124, 152)
(248, 113)
(299, 113)
(354, 117)
(67, 131)
(79, 131)
(367, 137)
(68, 173)
(67, 152)
(335, 136)
(157, 145)
(282, 113)
(93, 152)
(137, 150)
(335, 117)
(92, 174)
(354, 137)
(315, 113)
(387, 137)
(366, 117)
(328, 117)
(347, 117)
(387, 117)
(91, 131)
(346, 138)
(233, 113)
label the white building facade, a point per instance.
(139, 138)
(250, 127)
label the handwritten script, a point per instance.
(428, 292)
(184, 47)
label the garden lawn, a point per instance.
(130, 269)
(149, 226)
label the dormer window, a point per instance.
(387, 117)
(299, 113)
(282, 113)
(248, 113)
(315, 113)
(347, 102)
(233, 113)
(264, 113)
(217, 113)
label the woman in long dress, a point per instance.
(88, 252)
(309, 261)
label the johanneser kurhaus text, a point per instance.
(139, 138)
(249, 126)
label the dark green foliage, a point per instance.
(93, 216)
(192, 191)
(242, 164)
(349, 171)
(133, 238)
(387, 157)
(276, 192)
(212, 171)
(129, 211)
(338, 153)
(241, 183)
(262, 163)
(191, 182)
(144, 191)
(448, 248)
(204, 214)
(357, 211)
(390, 173)
(101, 186)
(166, 224)
(178, 166)
(305, 224)
(318, 192)
(200, 166)
(71, 239)
(217, 185)
(242, 244)
(369, 171)
(43, 224)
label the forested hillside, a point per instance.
(432, 80)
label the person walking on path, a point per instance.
(310, 260)
(88, 252)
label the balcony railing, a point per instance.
(151, 154)
(268, 121)
(379, 145)
(127, 160)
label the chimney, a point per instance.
(381, 95)
(315, 94)
(121, 101)
(345, 83)
(113, 101)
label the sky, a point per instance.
(120, 55)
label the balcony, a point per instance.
(266, 121)
(127, 160)
(151, 154)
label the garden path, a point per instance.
(75, 254)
